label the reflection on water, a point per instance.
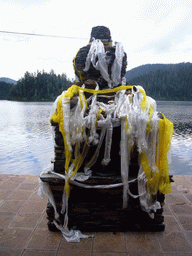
(26, 143)
(180, 113)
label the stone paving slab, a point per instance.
(23, 225)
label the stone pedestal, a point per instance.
(95, 209)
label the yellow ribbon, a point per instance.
(159, 179)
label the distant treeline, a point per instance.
(4, 90)
(40, 86)
(166, 82)
(161, 81)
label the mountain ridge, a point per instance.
(147, 68)
(164, 81)
(8, 80)
(160, 81)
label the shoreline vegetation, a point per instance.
(40, 86)
(171, 82)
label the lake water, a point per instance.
(26, 141)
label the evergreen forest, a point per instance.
(4, 90)
(40, 86)
(164, 81)
(160, 81)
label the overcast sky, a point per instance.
(151, 31)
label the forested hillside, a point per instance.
(39, 87)
(4, 90)
(164, 82)
(161, 81)
(8, 80)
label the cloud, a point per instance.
(150, 30)
(167, 36)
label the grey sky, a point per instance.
(152, 31)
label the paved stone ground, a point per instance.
(23, 225)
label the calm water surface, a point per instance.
(26, 144)
(180, 113)
(26, 141)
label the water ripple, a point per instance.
(26, 143)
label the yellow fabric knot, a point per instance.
(144, 102)
(149, 128)
(159, 180)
